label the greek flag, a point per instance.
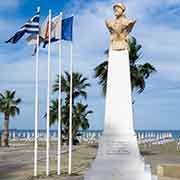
(30, 27)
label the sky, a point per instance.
(157, 30)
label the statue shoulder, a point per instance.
(109, 23)
(127, 22)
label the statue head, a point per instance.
(119, 9)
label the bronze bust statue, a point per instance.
(119, 28)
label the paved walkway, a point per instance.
(16, 163)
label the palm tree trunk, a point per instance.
(5, 135)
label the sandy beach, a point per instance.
(16, 162)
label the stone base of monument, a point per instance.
(118, 159)
(118, 156)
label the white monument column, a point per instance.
(118, 156)
(118, 116)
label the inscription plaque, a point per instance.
(117, 148)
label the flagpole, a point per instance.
(59, 98)
(36, 104)
(70, 110)
(48, 96)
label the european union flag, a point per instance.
(67, 29)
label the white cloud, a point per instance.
(22, 71)
(160, 43)
(91, 35)
(7, 28)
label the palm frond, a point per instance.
(139, 72)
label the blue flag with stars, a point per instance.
(67, 29)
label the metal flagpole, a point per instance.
(70, 110)
(59, 98)
(48, 96)
(36, 104)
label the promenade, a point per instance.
(16, 162)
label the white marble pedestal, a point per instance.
(118, 156)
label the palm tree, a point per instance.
(101, 73)
(53, 112)
(80, 119)
(80, 111)
(80, 116)
(79, 85)
(139, 72)
(8, 106)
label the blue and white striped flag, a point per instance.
(30, 27)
